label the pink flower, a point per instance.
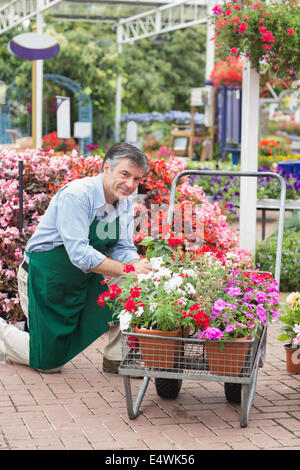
(243, 26)
(211, 333)
(217, 10)
(229, 328)
(290, 31)
(233, 50)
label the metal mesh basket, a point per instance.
(187, 357)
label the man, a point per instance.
(84, 235)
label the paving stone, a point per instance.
(83, 408)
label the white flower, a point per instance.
(163, 272)
(125, 319)
(292, 298)
(173, 284)
(296, 329)
(142, 277)
(190, 288)
(152, 306)
(156, 262)
(139, 311)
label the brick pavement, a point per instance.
(84, 408)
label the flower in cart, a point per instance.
(247, 301)
(194, 289)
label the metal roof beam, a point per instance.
(16, 11)
(178, 15)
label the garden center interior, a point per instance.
(125, 70)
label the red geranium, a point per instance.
(128, 267)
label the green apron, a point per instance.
(64, 317)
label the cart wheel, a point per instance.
(168, 388)
(233, 392)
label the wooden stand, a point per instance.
(190, 132)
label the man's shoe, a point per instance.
(111, 366)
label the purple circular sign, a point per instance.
(34, 46)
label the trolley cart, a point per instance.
(192, 358)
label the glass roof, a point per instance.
(105, 10)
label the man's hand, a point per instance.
(141, 266)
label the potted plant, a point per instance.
(267, 33)
(161, 303)
(195, 290)
(290, 331)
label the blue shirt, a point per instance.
(68, 218)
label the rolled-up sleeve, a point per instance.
(73, 226)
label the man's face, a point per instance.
(122, 181)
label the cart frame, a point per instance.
(129, 368)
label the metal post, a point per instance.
(249, 159)
(118, 87)
(21, 166)
(210, 62)
(224, 122)
(39, 83)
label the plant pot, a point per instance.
(227, 359)
(159, 353)
(292, 359)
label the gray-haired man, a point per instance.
(84, 235)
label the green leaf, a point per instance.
(147, 241)
(283, 337)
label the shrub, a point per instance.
(290, 261)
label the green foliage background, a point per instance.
(156, 74)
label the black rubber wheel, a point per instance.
(168, 388)
(233, 392)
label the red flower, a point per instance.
(174, 242)
(114, 291)
(101, 298)
(290, 31)
(135, 292)
(243, 26)
(128, 267)
(130, 306)
(233, 50)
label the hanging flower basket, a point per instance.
(228, 72)
(268, 34)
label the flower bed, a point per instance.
(228, 188)
(43, 175)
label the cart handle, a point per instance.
(247, 174)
